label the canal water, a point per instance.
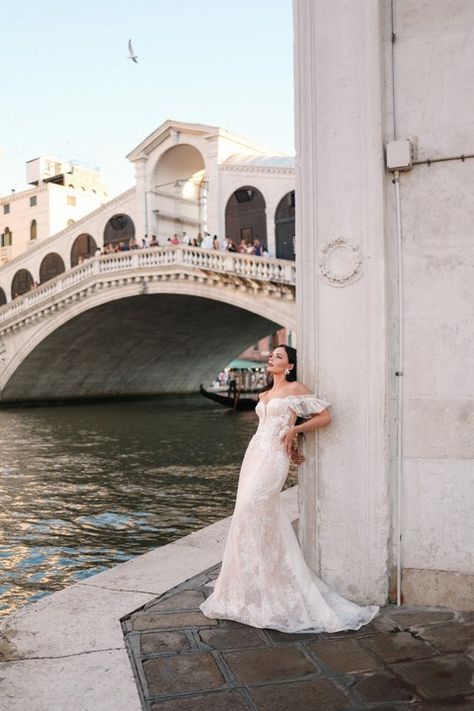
(85, 487)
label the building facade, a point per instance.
(62, 194)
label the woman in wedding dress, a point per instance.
(264, 580)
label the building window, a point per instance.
(7, 238)
(33, 230)
(32, 200)
(71, 200)
(6, 209)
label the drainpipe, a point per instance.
(399, 155)
(399, 375)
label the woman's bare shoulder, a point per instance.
(297, 388)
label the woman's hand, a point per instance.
(288, 439)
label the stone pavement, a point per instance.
(407, 658)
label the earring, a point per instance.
(287, 371)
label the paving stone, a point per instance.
(343, 655)
(382, 623)
(381, 685)
(320, 695)
(159, 642)
(156, 620)
(284, 637)
(437, 677)
(398, 647)
(185, 672)
(408, 618)
(215, 701)
(452, 637)
(187, 599)
(228, 638)
(232, 623)
(271, 664)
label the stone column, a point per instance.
(142, 219)
(341, 291)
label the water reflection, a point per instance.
(83, 488)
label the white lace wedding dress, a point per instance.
(264, 580)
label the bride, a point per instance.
(264, 580)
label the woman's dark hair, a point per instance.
(291, 353)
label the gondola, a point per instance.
(240, 403)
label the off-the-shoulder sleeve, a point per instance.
(307, 405)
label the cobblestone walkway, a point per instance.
(407, 658)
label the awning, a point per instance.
(240, 364)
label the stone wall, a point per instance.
(367, 73)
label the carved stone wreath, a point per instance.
(340, 262)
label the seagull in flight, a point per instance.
(131, 53)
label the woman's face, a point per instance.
(278, 361)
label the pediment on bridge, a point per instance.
(180, 130)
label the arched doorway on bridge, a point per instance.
(179, 192)
(21, 283)
(51, 266)
(285, 227)
(82, 248)
(245, 215)
(3, 297)
(119, 228)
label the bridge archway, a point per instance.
(21, 282)
(285, 227)
(245, 215)
(190, 340)
(119, 228)
(51, 266)
(180, 190)
(3, 297)
(83, 247)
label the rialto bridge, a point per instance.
(140, 322)
(153, 320)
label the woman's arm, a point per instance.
(314, 423)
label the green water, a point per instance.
(83, 488)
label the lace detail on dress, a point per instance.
(307, 405)
(264, 580)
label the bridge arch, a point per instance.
(179, 187)
(285, 227)
(51, 265)
(21, 282)
(83, 247)
(245, 215)
(119, 228)
(3, 297)
(194, 334)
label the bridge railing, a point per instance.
(242, 265)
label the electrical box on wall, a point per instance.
(400, 155)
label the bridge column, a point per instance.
(143, 199)
(341, 291)
(271, 230)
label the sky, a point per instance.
(69, 90)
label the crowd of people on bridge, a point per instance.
(204, 240)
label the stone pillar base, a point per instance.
(439, 588)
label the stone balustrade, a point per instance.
(277, 273)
